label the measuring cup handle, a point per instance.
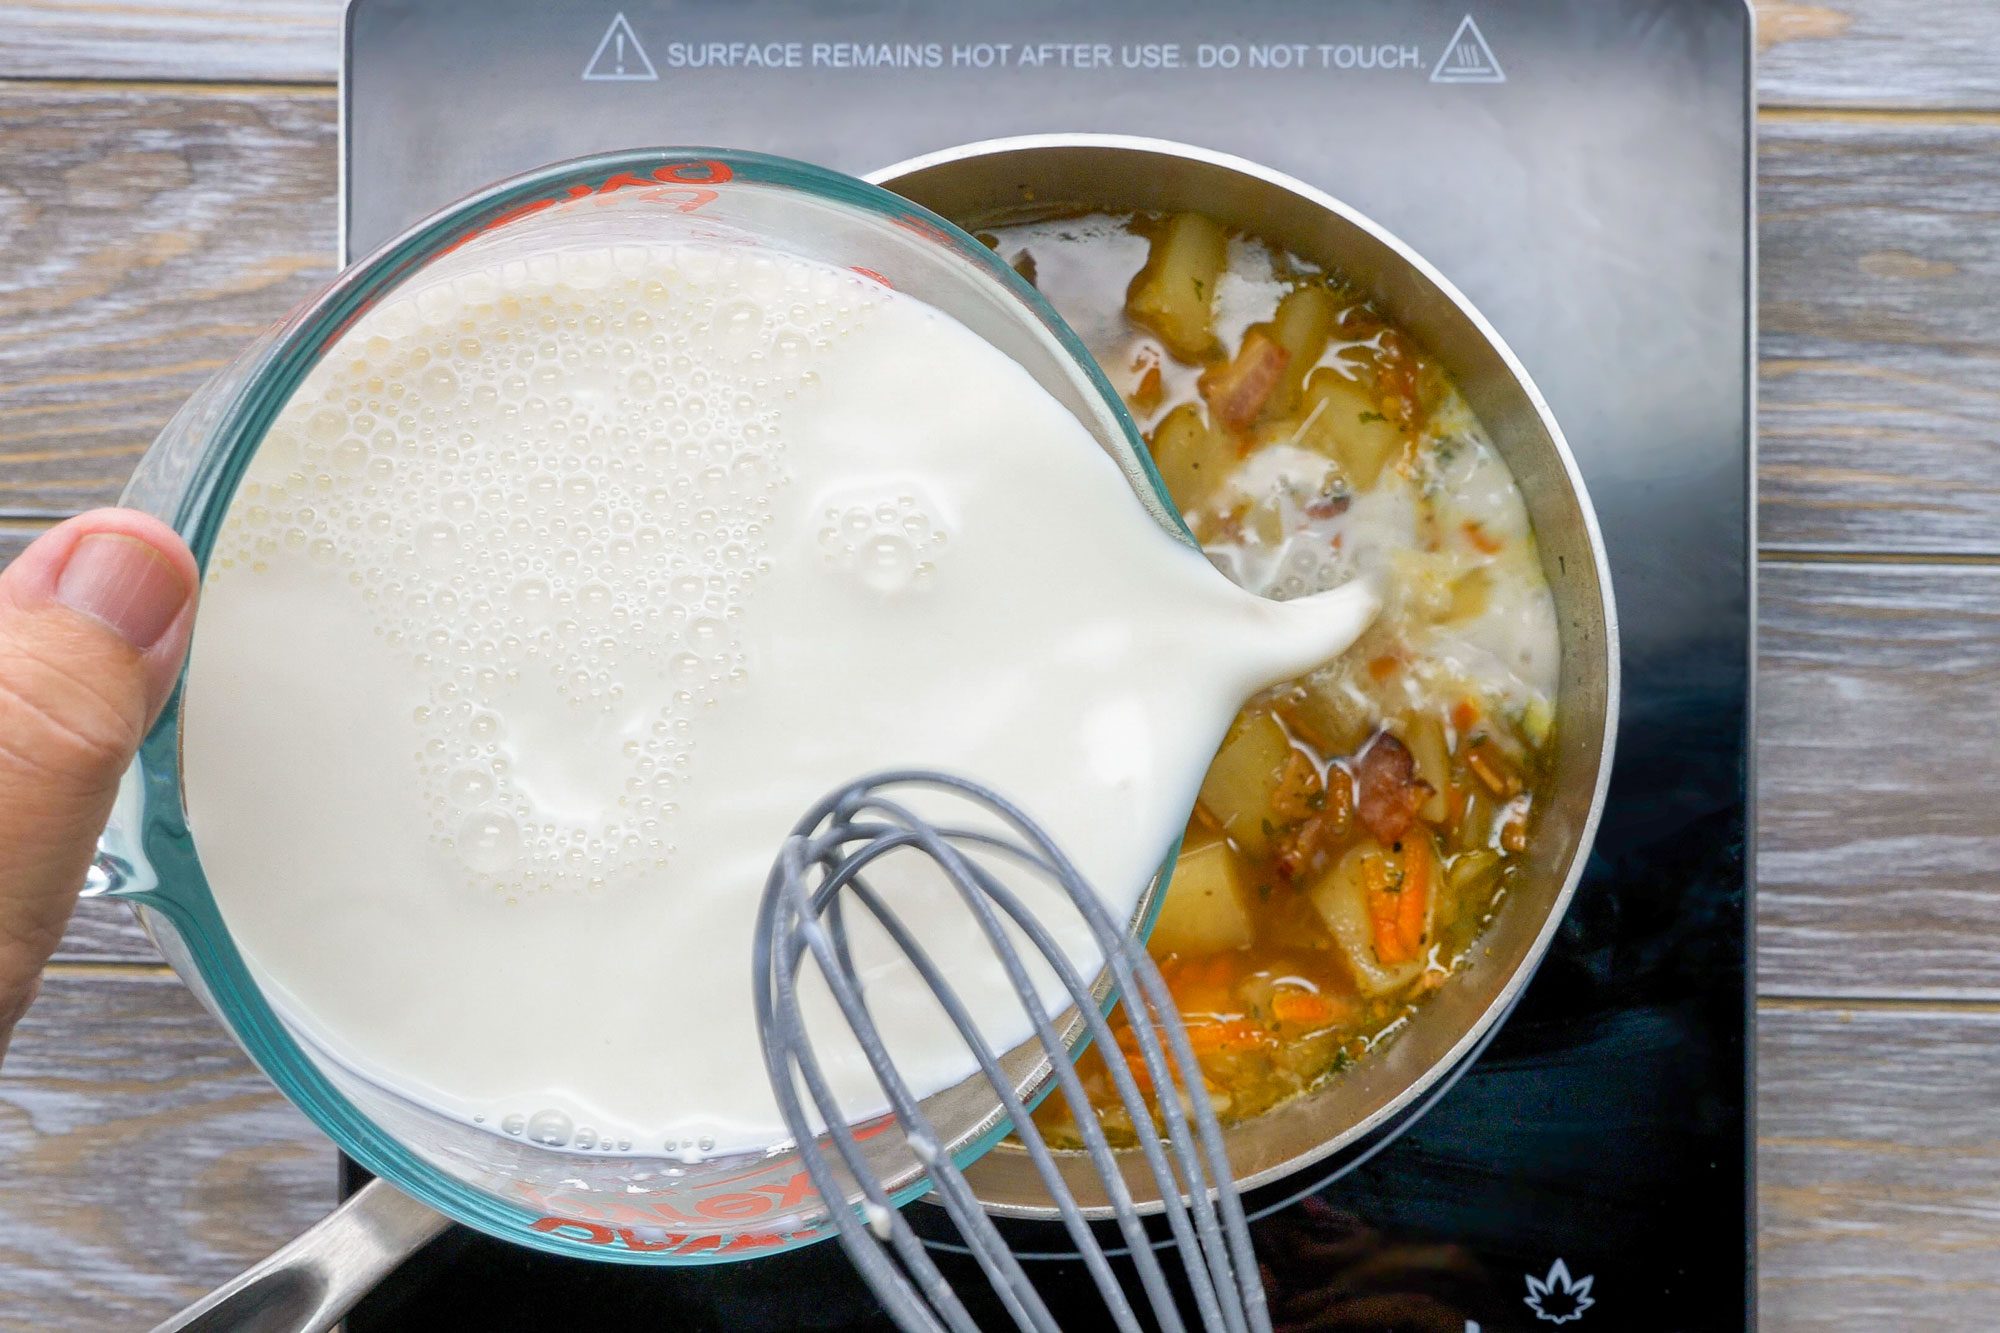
(309, 1284)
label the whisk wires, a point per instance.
(820, 877)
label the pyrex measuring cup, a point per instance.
(618, 1207)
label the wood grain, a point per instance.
(145, 1159)
(273, 40)
(1881, 374)
(1877, 53)
(149, 236)
(1878, 1168)
(101, 931)
(1876, 773)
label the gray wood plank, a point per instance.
(149, 236)
(1876, 773)
(145, 1159)
(105, 932)
(282, 40)
(1881, 368)
(1901, 53)
(1878, 1168)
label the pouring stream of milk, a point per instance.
(560, 590)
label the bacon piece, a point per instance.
(1237, 390)
(1389, 790)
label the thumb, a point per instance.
(94, 620)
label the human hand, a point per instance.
(94, 621)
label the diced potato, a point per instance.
(1348, 425)
(1206, 909)
(1328, 715)
(1423, 583)
(1475, 826)
(1536, 719)
(1471, 592)
(1425, 737)
(1237, 791)
(1174, 294)
(1473, 873)
(1302, 324)
(1341, 898)
(1192, 459)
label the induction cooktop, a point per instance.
(1581, 169)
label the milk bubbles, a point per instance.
(886, 542)
(545, 492)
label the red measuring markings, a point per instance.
(592, 1220)
(684, 186)
(592, 1233)
(731, 1206)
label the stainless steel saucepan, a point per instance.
(1041, 176)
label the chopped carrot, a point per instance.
(1396, 378)
(1128, 1041)
(1481, 538)
(1146, 396)
(1300, 1008)
(1384, 666)
(1490, 766)
(1200, 985)
(1464, 716)
(1514, 834)
(1398, 902)
(1220, 1037)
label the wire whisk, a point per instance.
(821, 876)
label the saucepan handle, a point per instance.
(309, 1284)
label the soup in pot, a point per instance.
(1360, 825)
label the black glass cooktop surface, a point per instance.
(1580, 168)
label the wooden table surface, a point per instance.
(167, 189)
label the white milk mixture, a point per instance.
(561, 590)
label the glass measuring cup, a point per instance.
(622, 1207)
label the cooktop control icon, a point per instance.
(1559, 1298)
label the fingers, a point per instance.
(94, 621)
